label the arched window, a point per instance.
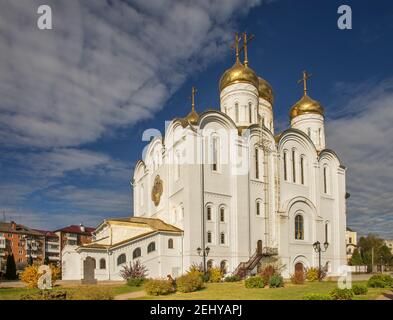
(136, 253)
(151, 247)
(319, 136)
(256, 163)
(222, 238)
(209, 237)
(309, 132)
(258, 208)
(209, 214)
(170, 243)
(263, 121)
(302, 169)
(215, 146)
(299, 227)
(325, 190)
(102, 263)
(222, 214)
(121, 259)
(250, 111)
(236, 112)
(285, 166)
(293, 166)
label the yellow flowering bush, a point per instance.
(31, 275)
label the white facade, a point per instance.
(283, 192)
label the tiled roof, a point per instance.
(155, 224)
(76, 229)
(6, 227)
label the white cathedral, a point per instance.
(222, 188)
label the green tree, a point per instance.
(10, 273)
(366, 245)
(356, 259)
(46, 261)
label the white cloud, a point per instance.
(105, 64)
(363, 138)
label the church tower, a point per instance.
(307, 115)
(239, 96)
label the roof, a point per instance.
(155, 224)
(6, 227)
(76, 229)
(350, 230)
(47, 233)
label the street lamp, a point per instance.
(204, 253)
(318, 249)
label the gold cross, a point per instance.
(193, 92)
(235, 46)
(306, 76)
(246, 40)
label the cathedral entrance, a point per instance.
(299, 267)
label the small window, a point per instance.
(256, 163)
(293, 166)
(151, 247)
(258, 208)
(136, 253)
(102, 263)
(285, 166)
(309, 132)
(302, 170)
(325, 180)
(250, 111)
(299, 227)
(236, 112)
(209, 214)
(170, 243)
(222, 214)
(209, 237)
(121, 259)
(222, 238)
(215, 146)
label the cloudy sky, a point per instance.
(75, 100)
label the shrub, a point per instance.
(45, 295)
(255, 282)
(312, 274)
(156, 287)
(135, 282)
(341, 294)
(31, 275)
(276, 281)
(268, 272)
(215, 275)
(189, 283)
(317, 296)
(134, 270)
(359, 289)
(298, 277)
(380, 281)
(233, 278)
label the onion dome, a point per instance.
(306, 105)
(192, 117)
(238, 73)
(265, 90)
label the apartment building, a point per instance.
(25, 243)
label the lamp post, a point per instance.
(318, 249)
(204, 253)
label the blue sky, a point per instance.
(75, 100)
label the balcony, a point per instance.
(54, 258)
(72, 236)
(2, 243)
(52, 250)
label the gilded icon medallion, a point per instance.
(156, 192)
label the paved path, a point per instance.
(130, 295)
(386, 296)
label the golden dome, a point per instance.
(192, 117)
(306, 105)
(265, 90)
(238, 73)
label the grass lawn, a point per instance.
(16, 293)
(237, 291)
